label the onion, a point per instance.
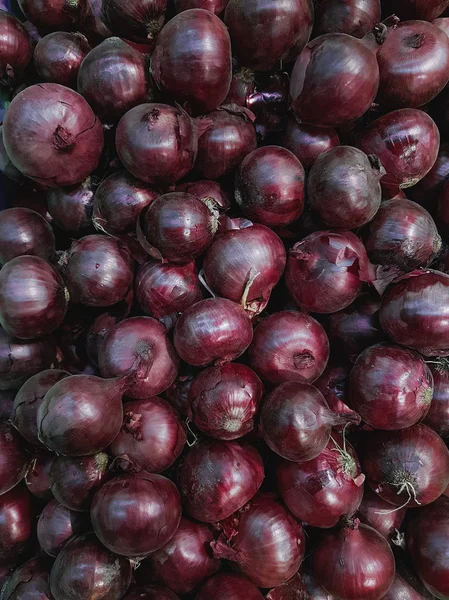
(227, 142)
(409, 467)
(326, 270)
(28, 400)
(354, 562)
(224, 401)
(23, 231)
(417, 9)
(16, 522)
(134, 515)
(442, 23)
(98, 270)
(244, 264)
(93, 26)
(138, 20)
(150, 592)
(217, 478)
(426, 191)
(357, 17)
(14, 461)
(343, 187)
(30, 580)
(80, 415)
(406, 142)
(84, 569)
(265, 541)
(113, 79)
(185, 562)
(54, 15)
(334, 384)
(414, 312)
(37, 478)
(6, 167)
(58, 57)
(438, 415)
(243, 85)
(206, 189)
(56, 525)
(98, 331)
(377, 513)
(335, 79)
(229, 586)
(71, 208)
(323, 490)
(294, 588)
(178, 393)
(289, 346)
(296, 422)
(157, 143)
(177, 227)
(215, 6)
(213, 330)
(192, 60)
(52, 135)
(315, 591)
(403, 590)
(16, 51)
(307, 142)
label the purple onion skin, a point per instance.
(58, 57)
(25, 232)
(307, 142)
(151, 592)
(215, 6)
(37, 478)
(426, 10)
(215, 330)
(16, 522)
(84, 569)
(137, 20)
(30, 581)
(71, 208)
(134, 515)
(376, 512)
(33, 297)
(229, 586)
(438, 416)
(334, 384)
(414, 312)
(14, 461)
(16, 50)
(204, 189)
(64, 139)
(55, 15)
(334, 80)
(112, 78)
(56, 525)
(355, 18)
(217, 478)
(192, 60)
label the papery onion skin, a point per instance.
(58, 57)
(33, 297)
(230, 586)
(334, 80)
(355, 18)
(56, 525)
(71, 208)
(416, 9)
(134, 515)
(213, 330)
(307, 142)
(16, 522)
(137, 20)
(25, 232)
(85, 569)
(204, 189)
(215, 6)
(63, 137)
(50, 15)
(217, 478)
(29, 580)
(414, 312)
(14, 460)
(409, 467)
(377, 513)
(224, 400)
(437, 417)
(150, 592)
(192, 60)
(38, 479)
(16, 51)
(334, 385)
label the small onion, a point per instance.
(56, 525)
(55, 15)
(71, 208)
(205, 189)
(16, 522)
(16, 51)
(14, 461)
(307, 142)
(38, 479)
(58, 57)
(437, 417)
(137, 20)
(229, 586)
(25, 232)
(377, 513)
(356, 18)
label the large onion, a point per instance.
(55, 15)
(58, 57)
(16, 51)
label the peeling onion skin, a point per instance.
(16, 522)
(438, 416)
(229, 586)
(55, 15)
(58, 57)
(355, 18)
(308, 142)
(16, 52)
(137, 20)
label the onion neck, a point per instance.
(63, 140)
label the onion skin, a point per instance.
(58, 57)
(16, 52)
(137, 20)
(437, 417)
(192, 60)
(426, 10)
(25, 232)
(33, 298)
(215, 6)
(224, 401)
(265, 200)
(14, 461)
(134, 515)
(355, 18)
(294, 588)
(56, 524)
(51, 15)
(307, 142)
(321, 491)
(377, 513)
(217, 478)
(229, 586)
(334, 384)
(16, 522)
(64, 138)
(414, 312)
(29, 581)
(84, 569)
(354, 563)
(421, 465)
(37, 478)
(213, 330)
(71, 208)
(204, 189)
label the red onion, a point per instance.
(438, 415)
(243, 85)
(406, 142)
(54, 15)
(215, 6)
(414, 312)
(416, 9)
(265, 541)
(113, 79)
(357, 17)
(404, 590)
(426, 191)
(81, 415)
(244, 264)
(177, 227)
(28, 400)
(150, 592)
(185, 562)
(33, 298)
(354, 562)
(307, 142)
(229, 586)
(442, 23)
(326, 270)
(314, 590)
(16, 522)
(192, 60)
(334, 384)
(289, 346)
(84, 569)
(293, 589)
(224, 401)
(134, 515)
(157, 143)
(323, 490)
(56, 525)
(93, 26)
(58, 57)
(14, 461)
(178, 393)
(217, 478)
(52, 135)
(377, 513)
(213, 330)
(98, 270)
(409, 467)
(343, 187)
(137, 20)
(71, 208)
(206, 189)
(37, 478)
(227, 142)
(296, 422)
(6, 167)
(76, 479)
(16, 51)
(24, 231)
(334, 80)
(98, 331)
(30, 580)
